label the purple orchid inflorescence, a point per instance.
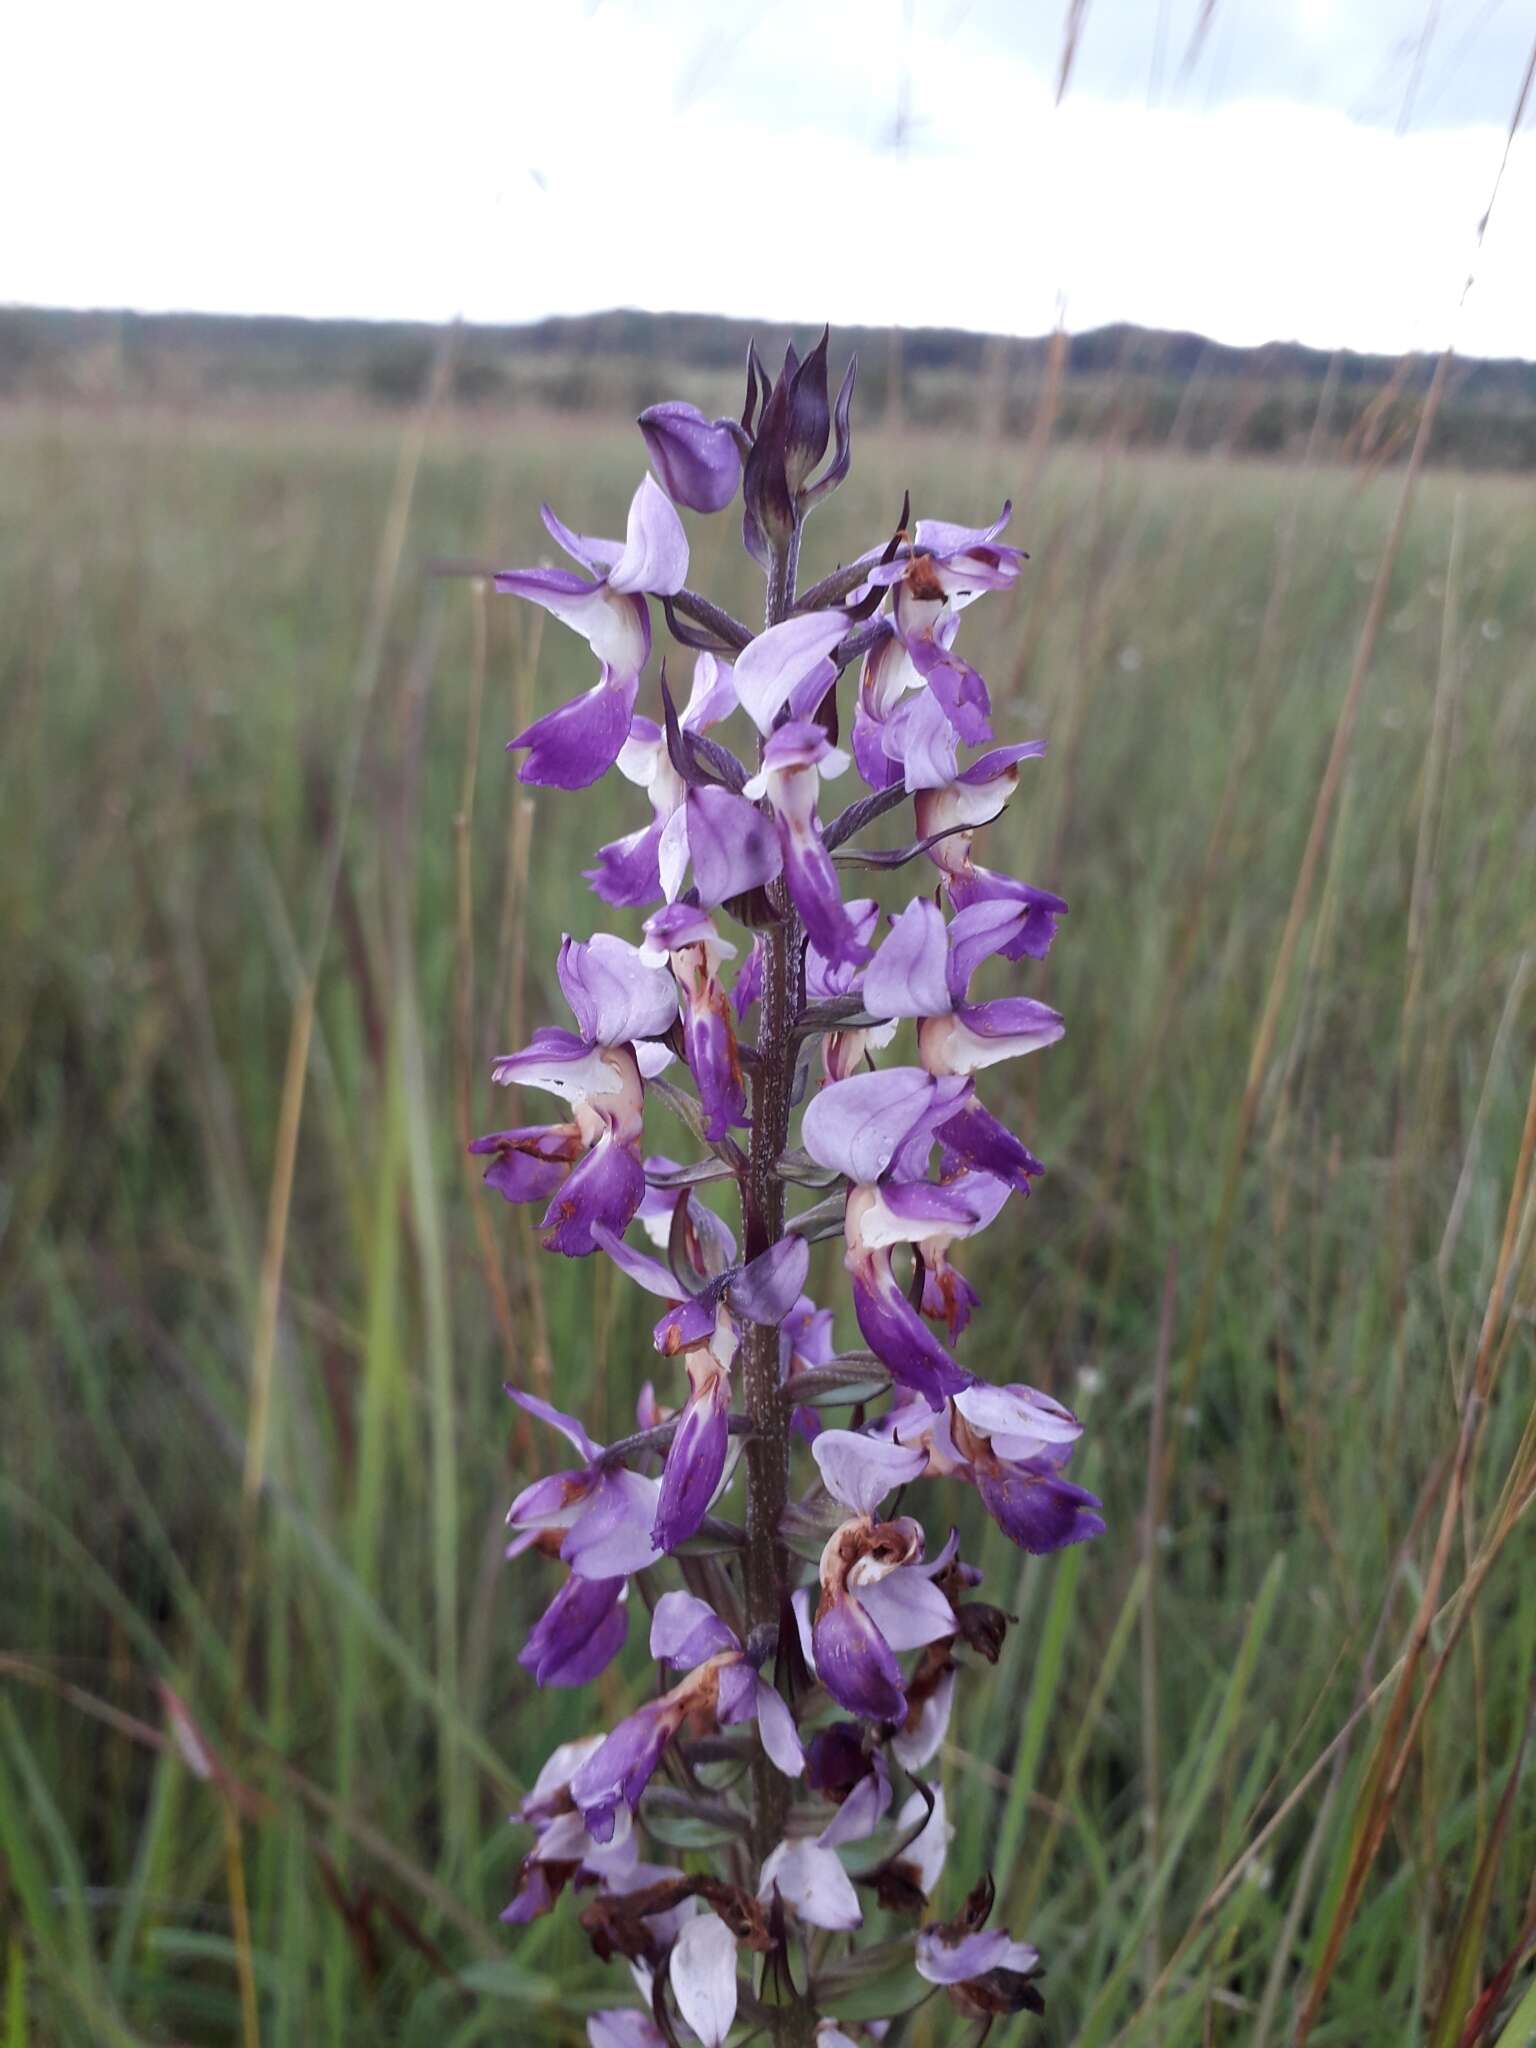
(810, 1643)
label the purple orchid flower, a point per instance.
(686, 938)
(596, 1517)
(697, 459)
(701, 1327)
(721, 1689)
(916, 1166)
(985, 1972)
(923, 969)
(571, 747)
(918, 699)
(1012, 1444)
(877, 1596)
(628, 870)
(949, 818)
(789, 665)
(795, 758)
(588, 1169)
(725, 841)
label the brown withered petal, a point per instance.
(895, 1885)
(614, 1932)
(973, 1915)
(982, 1628)
(740, 1911)
(998, 1992)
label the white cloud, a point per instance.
(515, 159)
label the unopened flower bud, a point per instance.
(696, 459)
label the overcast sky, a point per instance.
(1309, 168)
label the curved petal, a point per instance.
(1037, 1509)
(695, 1463)
(616, 628)
(855, 1663)
(569, 1426)
(943, 1961)
(628, 873)
(655, 555)
(776, 1731)
(686, 1630)
(1017, 1411)
(919, 1740)
(620, 1768)
(732, 845)
(781, 658)
(578, 743)
(861, 1470)
(908, 976)
(645, 1272)
(908, 1609)
(561, 1063)
(924, 1855)
(579, 1634)
(766, 1289)
(858, 1126)
(604, 1188)
(899, 1337)
(614, 993)
(976, 1136)
(587, 548)
(713, 696)
(612, 1536)
(702, 1969)
(920, 735)
(812, 1881)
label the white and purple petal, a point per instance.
(788, 657)
(686, 1630)
(812, 1883)
(855, 1663)
(702, 1969)
(861, 1470)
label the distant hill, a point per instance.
(1144, 386)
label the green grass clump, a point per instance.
(240, 720)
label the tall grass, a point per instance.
(1259, 1752)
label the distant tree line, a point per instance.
(1142, 386)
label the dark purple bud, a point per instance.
(768, 503)
(837, 1760)
(808, 419)
(842, 457)
(758, 387)
(696, 459)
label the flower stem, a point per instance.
(767, 1452)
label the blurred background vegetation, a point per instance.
(1144, 387)
(270, 899)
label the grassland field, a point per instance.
(1287, 1225)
